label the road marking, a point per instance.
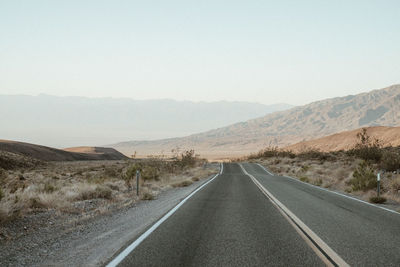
(333, 192)
(265, 169)
(117, 260)
(328, 255)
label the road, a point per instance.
(230, 222)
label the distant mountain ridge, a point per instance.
(74, 121)
(321, 118)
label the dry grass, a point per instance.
(183, 183)
(68, 186)
(328, 174)
(335, 174)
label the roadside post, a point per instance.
(137, 182)
(378, 179)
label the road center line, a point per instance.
(328, 255)
(117, 260)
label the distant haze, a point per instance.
(74, 121)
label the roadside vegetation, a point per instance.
(30, 186)
(353, 171)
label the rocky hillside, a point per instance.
(388, 136)
(52, 154)
(321, 118)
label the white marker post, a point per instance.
(378, 178)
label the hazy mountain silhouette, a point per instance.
(74, 121)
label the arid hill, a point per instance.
(52, 154)
(388, 136)
(318, 119)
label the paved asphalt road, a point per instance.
(230, 222)
(361, 234)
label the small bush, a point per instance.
(103, 192)
(49, 188)
(314, 154)
(318, 182)
(147, 196)
(1, 194)
(270, 152)
(195, 179)
(305, 168)
(148, 171)
(3, 174)
(304, 179)
(188, 158)
(378, 200)
(390, 161)
(367, 148)
(363, 178)
(92, 192)
(183, 183)
(395, 184)
(35, 203)
(110, 172)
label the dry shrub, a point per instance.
(94, 191)
(110, 172)
(304, 179)
(271, 152)
(377, 200)
(1, 194)
(3, 174)
(395, 184)
(183, 183)
(390, 161)
(147, 196)
(317, 182)
(4, 211)
(342, 173)
(367, 148)
(363, 178)
(49, 187)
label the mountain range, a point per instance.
(317, 119)
(75, 121)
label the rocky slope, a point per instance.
(388, 136)
(52, 154)
(321, 118)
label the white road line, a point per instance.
(270, 173)
(333, 192)
(328, 255)
(117, 260)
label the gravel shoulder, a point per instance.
(61, 240)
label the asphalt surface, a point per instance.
(228, 223)
(361, 234)
(231, 223)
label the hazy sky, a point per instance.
(264, 51)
